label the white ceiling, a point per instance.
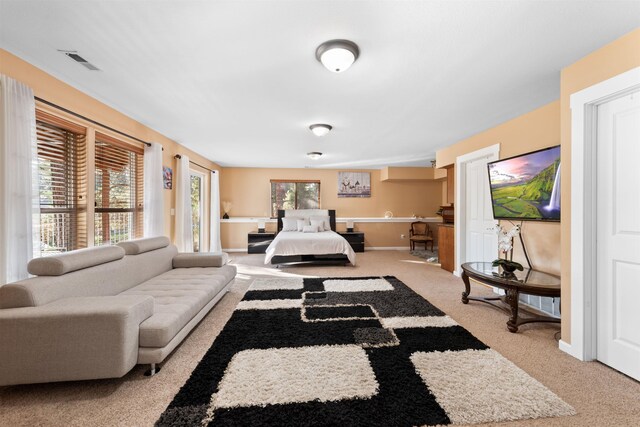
(238, 82)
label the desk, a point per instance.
(529, 281)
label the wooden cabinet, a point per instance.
(446, 239)
(355, 239)
(257, 243)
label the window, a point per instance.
(294, 195)
(197, 186)
(61, 154)
(118, 191)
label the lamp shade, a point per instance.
(320, 129)
(337, 55)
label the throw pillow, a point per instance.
(325, 220)
(289, 224)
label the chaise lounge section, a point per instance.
(96, 313)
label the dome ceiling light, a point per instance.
(320, 129)
(337, 55)
(315, 155)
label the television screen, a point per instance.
(527, 187)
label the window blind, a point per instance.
(118, 191)
(61, 153)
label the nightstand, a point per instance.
(257, 242)
(355, 239)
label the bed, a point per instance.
(317, 248)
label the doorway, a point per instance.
(475, 236)
(618, 234)
(605, 226)
(197, 217)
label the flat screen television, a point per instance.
(526, 187)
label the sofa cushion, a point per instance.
(178, 295)
(200, 259)
(57, 265)
(139, 246)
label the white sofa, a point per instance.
(97, 312)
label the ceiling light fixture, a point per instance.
(320, 129)
(315, 155)
(337, 55)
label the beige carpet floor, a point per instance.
(600, 395)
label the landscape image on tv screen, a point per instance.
(527, 187)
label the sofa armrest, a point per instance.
(71, 339)
(200, 259)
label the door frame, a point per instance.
(493, 153)
(583, 208)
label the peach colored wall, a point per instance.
(538, 129)
(53, 90)
(249, 191)
(615, 58)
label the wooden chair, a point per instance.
(420, 233)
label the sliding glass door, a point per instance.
(197, 212)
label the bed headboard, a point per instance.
(330, 212)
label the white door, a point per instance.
(482, 240)
(618, 235)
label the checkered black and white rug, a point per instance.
(365, 351)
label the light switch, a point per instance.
(173, 211)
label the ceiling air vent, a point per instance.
(80, 60)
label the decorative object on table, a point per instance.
(167, 178)
(226, 207)
(261, 225)
(396, 360)
(388, 214)
(505, 246)
(354, 184)
(350, 226)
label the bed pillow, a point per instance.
(325, 220)
(301, 222)
(290, 224)
(310, 229)
(318, 224)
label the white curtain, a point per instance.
(19, 204)
(214, 229)
(184, 226)
(153, 191)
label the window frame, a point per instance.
(75, 185)
(293, 181)
(137, 210)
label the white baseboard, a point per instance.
(386, 248)
(234, 250)
(569, 349)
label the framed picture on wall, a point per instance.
(354, 184)
(167, 178)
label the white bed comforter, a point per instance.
(298, 243)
